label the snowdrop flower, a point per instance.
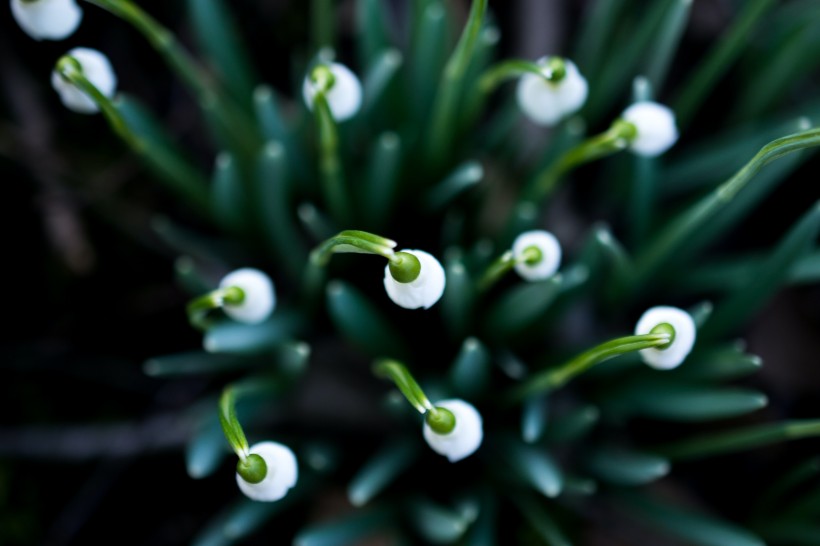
(47, 19)
(464, 439)
(281, 472)
(343, 90)
(423, 290)
(548, 102)
(679, 324)
(96, 68)
(537, 255)
(655, 125)
(258, 298)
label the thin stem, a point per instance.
(330, 166)
(401, 376)
(230, 424)
(513, 68)
(352, 241)
(496, 270)
(199, 308)
(554, 378)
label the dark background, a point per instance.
(89, 445)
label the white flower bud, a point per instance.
(656, 128)
(682, 343)
(464, 439)
(47, 19)
(344, 97)
(550, 250)
(425, 291)
(282, 473)
(97, 69)
(260, 297)
(547, 103)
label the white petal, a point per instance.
(685, 334)
(344, 98)
(260, 296)
(550, 255)
(283, 472)
(425, 291)
(656, 128)
(47, 19)
(97, 69)
(547, 103)
(464, 439)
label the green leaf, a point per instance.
(274, 128)
(734, 40)
(464, 177)
(684, 403)
(536, 467)
(351, 529)
(521, 306)
(189, 277)
(381, 470)
(195, 362)
(274, 208)
(541, 521)
(470, 373)
(717, 364)
(731, 313)
(428, 56)
(727, 274)
(380, 188)
(228, 197)
(534, 418)
(358, 320)
(206, 449)
(371, 22)
(163, 155)
(459, 295)
(573, 426)
(698, 529)
(437, 524)
(218, 37)
(662, 52)
(596, 32)
(234, 337)
(377, 81)
(625, 467)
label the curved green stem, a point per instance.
(200, 308)
(401, 376)
(554, 378)
(513, 68)
(230, 424)
(496, 270)
(352, 241)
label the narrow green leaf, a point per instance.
(218, 37)
(695, 90)
(464, 177)
(573, 426)
(743, 303)
(188, 242)
(776, 497)
(350, 529)
(541, 521)
(206, 449)
(371, 22)
(685, 403)
(698, 529)
(275, 128)
(727, 274)
(437, 524)
(662, 52)
(381, 470)
(377, 81)
(323, 27)
(315, 222)
(274, 208)
(234, 337)
(228, 197)
(717, 364)
(163, 155)
(470, 373)
(536, 467)
(189, 277)
(534, 418)
(596, 30)
(358, 320)
(381, 185)
(459, 295)
(428, 57)
(195, 362)
(625, 467)
(521, 306)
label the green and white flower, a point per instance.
(281, 472)
(47, 19)
(464, 439)
(94, 67)
(679, 324)
(655, 126)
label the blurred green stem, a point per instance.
(199, 308)
(554, 378)
(330, 165)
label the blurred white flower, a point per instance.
(282, 472)
(97, 69)
(464, 439)
(260, 296)
(345, 95)
(550, 255)
(547, 103)
(656, 127)
(425, 291)
(47, 19)
(681, 344)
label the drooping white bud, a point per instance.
(682, 342)
(464, 439)
(47, 19)
(282, 472)
(345, 95)
(425, 291)
(97, 69)
(547, 255)
(547, 103)
(656, 128)
(259, 295)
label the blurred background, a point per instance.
(90, 446)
